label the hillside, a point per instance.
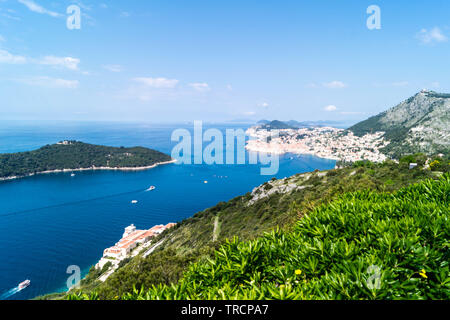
(76, 155)
(276, 204)
(364, 245)
(276, 125)
(419, 124)
(332, 253)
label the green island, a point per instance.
(75, 155)
(317, 235)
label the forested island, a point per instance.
(75, 155)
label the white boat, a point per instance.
(151, 188)
(24, 284)
(134, 201)
(72, 175)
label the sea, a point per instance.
(53, 221)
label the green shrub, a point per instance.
(418, 158)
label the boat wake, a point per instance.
(69, 203)
(10, 293)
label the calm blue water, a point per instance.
(49, 222)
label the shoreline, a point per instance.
(93, 168)
(327, 143)
(296, 153)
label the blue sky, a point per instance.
(163, 61)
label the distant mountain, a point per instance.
(418, 124)
(276, 125)
(294, 124)
(311, 123)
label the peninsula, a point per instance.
(68, 156)
(420, 124)
(323, 142)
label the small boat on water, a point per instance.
(151, 188)
(24, 284)
(134, 201)
(72, 175)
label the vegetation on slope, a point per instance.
(75, 155)
(418, 124)
(363, 245)
(277, 206)
(276, 125)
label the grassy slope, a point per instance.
(401, 238)
(192, 239)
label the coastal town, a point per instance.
(323, 142)
(133, 242)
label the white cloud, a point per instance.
(113, 68)
(391, 84)
(330, 85)
(9, 16)
(263, 105)
(8, 13)
(7, 57)
(311, 85)
(435, 84)
(335, 85)
(330, 108)
(157, 82)
(82, 5)
(201, 87)
(351, 112)
(146, 94)
(148, 89)
(400, 84)
(50, 82)
(64, 62)
(2, 39)
(431, 36)
(33, 6)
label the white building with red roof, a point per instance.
(130, 240)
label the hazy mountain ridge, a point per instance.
(418, 124)
(294, 124)
(276, 125)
